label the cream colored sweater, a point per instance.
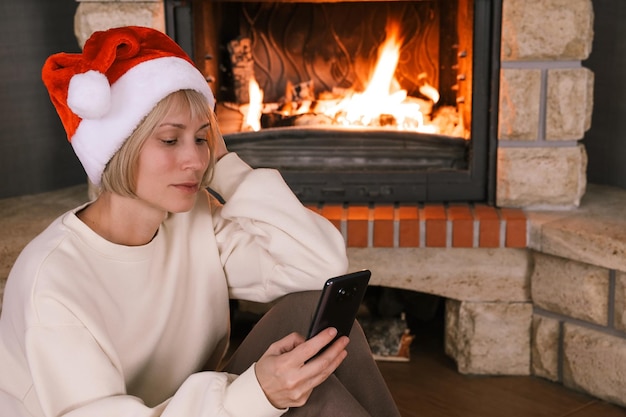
(90, 328)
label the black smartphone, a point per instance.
(339, 303)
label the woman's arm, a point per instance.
(74, 377)
(270, 244)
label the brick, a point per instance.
(522, 173)
(358, 224)
(462, 226)
(383, 226)
(489, 226)
(570, 288)
(593, 362)
(409, 230)
(544, 357)
(519, 108)
(569, 101)
(489, 338)
(435, 221)
(334, 213)
(515, 227)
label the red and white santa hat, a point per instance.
(103, 93)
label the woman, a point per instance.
(121, 306)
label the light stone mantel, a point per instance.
(467, 274)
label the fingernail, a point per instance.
(332, 331)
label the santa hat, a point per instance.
(103, 94)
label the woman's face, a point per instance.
(172, 162)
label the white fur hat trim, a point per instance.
(133, 96)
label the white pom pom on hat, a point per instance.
(89, 95)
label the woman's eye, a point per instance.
(201, 141)
(168, 141)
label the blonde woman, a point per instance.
(121, 306)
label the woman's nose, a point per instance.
(195, 157)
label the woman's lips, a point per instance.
(188, 187)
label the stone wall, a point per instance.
(578, 339)
(546, 102)
(578, 288)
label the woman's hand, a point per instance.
(285, 376)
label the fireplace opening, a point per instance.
(354, 101)
(397, 323)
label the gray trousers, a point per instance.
(356, 389)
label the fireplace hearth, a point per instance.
(448, 44)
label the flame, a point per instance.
(382, 95)
(371, 103)
(255, 107)
(429, 91)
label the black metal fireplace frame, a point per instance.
(474, 184)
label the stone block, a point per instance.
(569, 103)
(489, 338)
(594, 362)
(520, 92)
(460, 273)
(619, 317)
(453, 334)
(545, 347)
(594, 234)
(546, 29)
(541, 178)
(94, 16)
(570, 288)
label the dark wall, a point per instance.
(606, 140)
(35, 155)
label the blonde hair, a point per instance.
(120, 173)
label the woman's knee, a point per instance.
(297, 307)
(302, 299)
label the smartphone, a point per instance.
(339, 303)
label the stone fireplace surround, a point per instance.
(537, 284)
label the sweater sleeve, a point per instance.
(270, 244)
(89, 384)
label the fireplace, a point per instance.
(539, 97)
(303, 54)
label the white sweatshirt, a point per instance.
(90, 328)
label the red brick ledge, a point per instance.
(429, 225)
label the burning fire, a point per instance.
(383, 103)
(382, 95)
